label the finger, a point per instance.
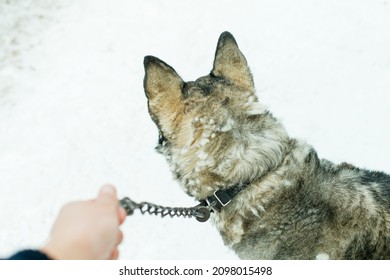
(119, 238)
(122, 214)
(114, 254)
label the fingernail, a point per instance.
(108, 189)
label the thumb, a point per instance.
(107, 195)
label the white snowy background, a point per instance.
(73, 113)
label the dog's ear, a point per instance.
(163, 88)
(230, 63)
(160, 79)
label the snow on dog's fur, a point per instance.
(215, 134)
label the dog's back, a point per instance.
(320, 210)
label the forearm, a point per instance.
(29, 255)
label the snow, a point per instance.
(73, 112)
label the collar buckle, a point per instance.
(222, 197)
(218, 200)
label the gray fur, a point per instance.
(215, 134)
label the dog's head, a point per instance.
(213, 131)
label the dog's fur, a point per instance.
(215, 134)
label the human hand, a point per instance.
(88, 230)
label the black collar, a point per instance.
(221, 198)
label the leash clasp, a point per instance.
(129, 205)
(202, 213)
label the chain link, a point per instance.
(201, 213)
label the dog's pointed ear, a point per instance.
(160, 78)
(163, 88)
(230, 63)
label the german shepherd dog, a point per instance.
(272, 197)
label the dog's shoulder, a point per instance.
(379, 184)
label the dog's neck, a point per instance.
(224, 195)
(230, 158)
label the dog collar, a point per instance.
(201, 212)
(221, 198)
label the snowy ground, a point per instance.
(73, 113)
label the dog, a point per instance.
(272, 196)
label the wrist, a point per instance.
(60, 251)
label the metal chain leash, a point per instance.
(200, 212)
